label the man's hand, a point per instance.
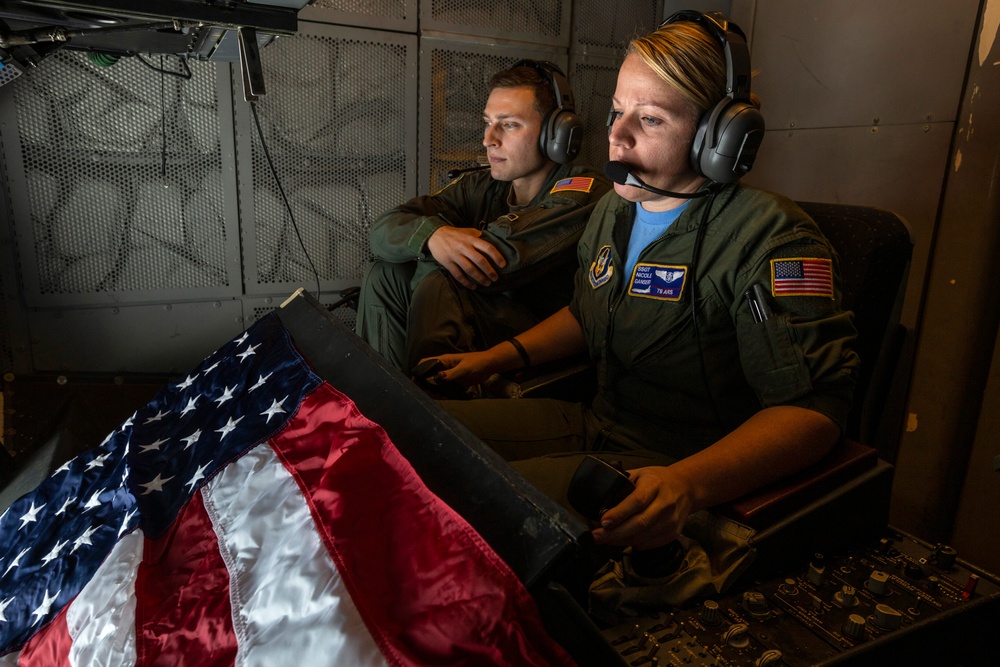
(466, 368)
(470, 259)
(650, 516)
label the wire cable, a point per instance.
(186, 74)
(295, 226)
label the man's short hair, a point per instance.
(527, 77)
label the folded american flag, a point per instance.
(251, 515)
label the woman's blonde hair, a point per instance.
(688, 59)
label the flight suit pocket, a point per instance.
(773, 362)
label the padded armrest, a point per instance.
(845, 461)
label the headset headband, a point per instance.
(734, 46)
(553, 75)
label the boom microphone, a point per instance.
(620, 173)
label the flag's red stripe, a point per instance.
(429, 588)
(183, 614)
(49, 647)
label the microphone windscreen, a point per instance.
(617, 172)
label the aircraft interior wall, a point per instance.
(142, 225)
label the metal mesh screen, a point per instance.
(540, 18)
(382, 8)
(334, 124)
(460, 85)
(123, 175)
(610, 25)
(593, 87)
(6, 351)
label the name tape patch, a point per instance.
(658, 281)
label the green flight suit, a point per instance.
(410, 307)
(668, 388)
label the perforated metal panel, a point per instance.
(384, 14)
(594, 84)
(606, 27)
(6, 350)
(451, 109)
(342, 138)
(539, 21)
(119, 171)
(255, 309)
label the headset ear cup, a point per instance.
(563, 134)
(727, 140)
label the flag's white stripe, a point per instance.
(101, 620)
(290, 605)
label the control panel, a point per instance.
(897, 598)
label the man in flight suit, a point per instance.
(494, 251)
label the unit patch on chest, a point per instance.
(601, 270)
(658, 281)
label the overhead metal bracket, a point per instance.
(253, 73)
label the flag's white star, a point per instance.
(156, 445)
(155, 485)
(242, 339)
(128, 422)
(63, 468)
(14, 563)
(276, 407)
(228, 428)
(107, 438)
(192, 402)
(191, 439)
(52, 555)
(94, 500)
(226, 395)
(261, 379)
(84, 538)
(157, 417)
(199, 475)
(251, 350)
(212, 368)
(188, 381)
(46, 605)
(128, 518)
(66, 504)
(31, 515)
(4, 605)
(98, 462)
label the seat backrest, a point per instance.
(875, 247)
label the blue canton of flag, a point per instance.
(54, 539)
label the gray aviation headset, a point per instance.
(728, 137)
(562, 130)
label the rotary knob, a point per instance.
(887, 618)
(769, 657)
(878, 583)
(846, 596)
(854, 626)
(711, 614)
(736, 635)
(755, 603)
(817, 571)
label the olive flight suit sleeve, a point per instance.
(535, 238)
(400, 235)
(802, 352)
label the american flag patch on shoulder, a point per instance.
(575, 184)
(802, 276)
